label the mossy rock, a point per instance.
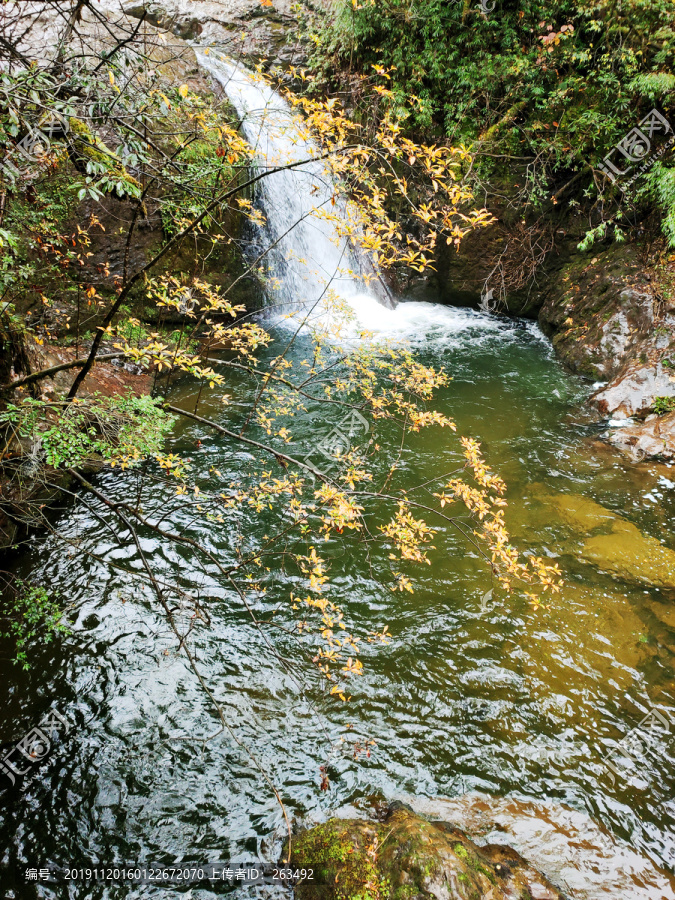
(611, 542)
(407, 857)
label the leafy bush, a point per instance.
(553, 85)
(27, 613)
(118, 430)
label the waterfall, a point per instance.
(307, 256)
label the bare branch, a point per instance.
(47, 373)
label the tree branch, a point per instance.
(281, 458)
(124, 293)
(47, 373)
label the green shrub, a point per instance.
(28, 614)
(663, 405)
(557, 83)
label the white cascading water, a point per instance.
(308, 257)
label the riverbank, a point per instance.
(609, 312)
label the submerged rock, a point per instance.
(584, 858)
(629, 553)
(407, 857)
(617, 546)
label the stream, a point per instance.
(484, 711)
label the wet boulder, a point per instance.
(245, 28)
(407, 857)
(633, 392)
(655, 437)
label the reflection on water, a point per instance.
(504, 700)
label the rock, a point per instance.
(664, 612)
(655, 437)
(602, 312)
(239, 27)
(406, 856)
(586, 860)
(630, 554)
(633, 391)
(603, 308)
(617, 546)
(199, 19)
(580, 512)
(634, 315)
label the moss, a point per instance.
(403, 858)
(461, 851)
(488, 874)
(324, 844)
(404, 892)
(343, 861)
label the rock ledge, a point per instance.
(407, 857)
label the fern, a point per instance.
(660, 187)
(653, 85)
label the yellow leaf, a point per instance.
(183, 90)
(111, 77)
